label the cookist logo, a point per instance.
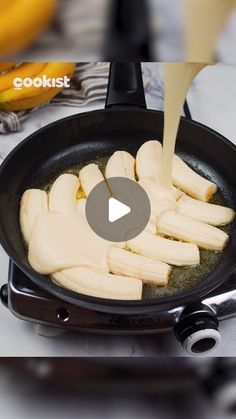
(44, 81)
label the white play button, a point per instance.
(117, 210)
(119, 217)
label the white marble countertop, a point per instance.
(212, 101)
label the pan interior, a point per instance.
(71, 143)
(182, 278)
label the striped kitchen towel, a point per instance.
(89, 84)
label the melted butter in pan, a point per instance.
(183, 278)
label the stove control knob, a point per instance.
(198, 331)
(4, 295)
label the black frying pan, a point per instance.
(124, 124)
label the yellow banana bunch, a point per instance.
(24, 70)
(21, 21)
(15, 99)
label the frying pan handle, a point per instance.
(125, 86)
(129, 31)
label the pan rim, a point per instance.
(109, 305)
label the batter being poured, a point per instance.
(204, 21)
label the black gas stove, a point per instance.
(196, 327)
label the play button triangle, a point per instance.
(121, 216)
(117, 210)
